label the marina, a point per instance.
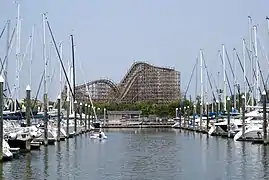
(66, 112)
(138, 156)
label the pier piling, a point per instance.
(185, 114)
(264, 118)
(67, 116)
(243, 118)
(92, 113)
(201, 116)
(193, 120)
(180, 114)
(28, 105)
(104, 116)
(45, 119)
(89, 117)
(229, 118)
(75, 116)
(207, 117)
(85, 118)
(217, 109)
(188, 116)
(80, 113)
(58, 117)
(28, 118)
(1, 116)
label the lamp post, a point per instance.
(180, 113)
(193, 120)
(217, 109)
(94, 112)
(184, 116)
(104, 116)
(188, 116)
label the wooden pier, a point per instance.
(139, 125)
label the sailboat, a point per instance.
(7, 154)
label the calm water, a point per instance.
(143, 154)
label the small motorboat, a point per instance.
(101, 135)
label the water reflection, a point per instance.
(142, 154)
(193, 134)
(265, 162)
(207, 141)
(75, 150)
(46, 175)
(243, 164)
(217, 139)
(229, 158)
(148, 154)
(139, 130)
(28, 173)
(188, 133)
(67, 154)
(1, 171)
(58, 155)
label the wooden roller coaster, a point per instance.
(142, 82)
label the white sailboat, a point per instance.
(7, 154)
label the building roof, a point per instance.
(124, 112)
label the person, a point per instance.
(259, 134)
(100, 134)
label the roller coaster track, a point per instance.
(128, 80)
(138, 65)
(129, 84)
(110, 83)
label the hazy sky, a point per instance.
(110, 35)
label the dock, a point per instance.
(139, 125)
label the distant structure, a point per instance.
(142, 82)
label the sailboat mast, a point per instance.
(202, 95)
(244, 70)
(224, 77)
(70, 79)
(219, 91)
(60, 71)
(235, 83)
(251, 60)
(257, 63)
(68, 90)
(267, 19)
(196, 80)
(45, 78)
(44, 55)
(206, 91)
(17, 57)
(74, 85)
(7, 50)
(74, 69)
(31, 55)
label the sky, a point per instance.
(110, 35)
